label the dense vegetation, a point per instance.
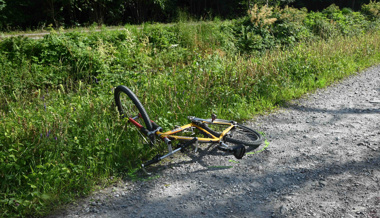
(26, 14)
(60, 134)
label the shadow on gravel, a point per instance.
(239, 191)
(199, 157)
(340, 111)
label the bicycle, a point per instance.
(213, 130)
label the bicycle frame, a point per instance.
(168, 136)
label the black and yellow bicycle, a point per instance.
(230, 136)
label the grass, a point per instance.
(266, 144)
(220, 167)
(61, 135)
(233, 161)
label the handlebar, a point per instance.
(199, 120)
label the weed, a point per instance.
(266, 144)
(220, 167)
(233, 161)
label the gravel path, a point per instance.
(323, 160)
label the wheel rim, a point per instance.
(242, 134)
(245, 135)
(129, 110)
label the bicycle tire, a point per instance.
(245, 135)
(126, 104)
(241, 134)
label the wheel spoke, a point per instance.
(130, 107)
(245, 135)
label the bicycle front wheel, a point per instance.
(130, 107)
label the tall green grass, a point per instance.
(60, 134)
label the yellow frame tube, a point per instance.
(170, 134)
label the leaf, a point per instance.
(45, 196)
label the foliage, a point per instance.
(272, 3)
(372, 10)
(261, 16)
(265, 27)
(40, 14)
(319, 5)
(332, 22)
(289, 14)
(254, 31)
(2, 4)
(290, 27)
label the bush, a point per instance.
(348, 23)
(254, 31)
(321, 26)
(290, 27)
(331, 11)
(371, 10)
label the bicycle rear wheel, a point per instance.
(243, 135)
(239, 134)
(129, 106)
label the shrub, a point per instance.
(371, 10)
(254, 31)
(346, 11)
(290, 27)
(347, 22)
(321, 26)
(331, 11)
(292, 15)
(261, 16)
